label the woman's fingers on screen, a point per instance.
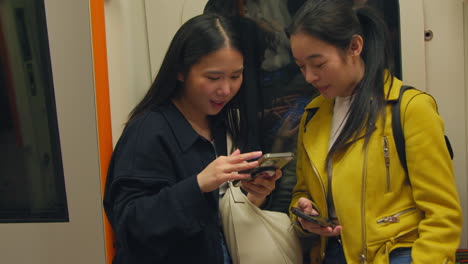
(240, 164)
(240, 158)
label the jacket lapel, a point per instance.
(316, 136)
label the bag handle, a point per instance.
(236, 193)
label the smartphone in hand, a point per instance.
(269, 163)
(317, 219)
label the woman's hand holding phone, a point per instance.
(260, 187)
(226, 168)
(305, 205)
(269, 163)
(263, 177)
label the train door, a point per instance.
(50, 192)
(433, 41)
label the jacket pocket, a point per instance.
(395, 218)
(394, 230)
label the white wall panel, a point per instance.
(138, 34)
(164, 19)
(445, 80)
(412, 43)
(128, 58)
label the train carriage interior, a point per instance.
(71, 71)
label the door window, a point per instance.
(32, 185)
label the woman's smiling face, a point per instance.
(212, 82)
(332, 71)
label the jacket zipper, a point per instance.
(363, 213)
(386, 151)
(323, 192)
(321, 183)
(395, 218)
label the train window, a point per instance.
(32, 185)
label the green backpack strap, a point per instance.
(398, 131)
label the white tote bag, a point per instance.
(256, 236)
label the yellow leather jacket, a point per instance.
(379, 208)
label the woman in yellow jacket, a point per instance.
(348, 168)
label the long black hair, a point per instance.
(196, 38)
(336, 22)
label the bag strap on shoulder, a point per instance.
(396, 127)
(398, 131)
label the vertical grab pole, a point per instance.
(103, 115)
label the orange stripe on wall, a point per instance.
(98, 28)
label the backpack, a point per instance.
(398, 131)
(398, 135)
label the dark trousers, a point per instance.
(334, 254)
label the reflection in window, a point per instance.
(31, 176)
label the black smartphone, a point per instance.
(322, 221)
(269, 163)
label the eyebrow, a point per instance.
(313, 56)
(221, 72)
(239, 70)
